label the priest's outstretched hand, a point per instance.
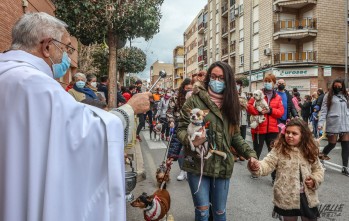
(140, 102)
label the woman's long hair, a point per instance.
(231, 105)
(307, 144)
(181, 94)
(330, 93)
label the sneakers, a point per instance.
(345, 171)
(138, 138)
(182, 175)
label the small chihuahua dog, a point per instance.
(196, 126)
(156, 206)
(157, 131)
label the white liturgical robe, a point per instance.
(60, 160)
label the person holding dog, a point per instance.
(268, 130)
(218, 94)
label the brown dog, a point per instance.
(156, 206)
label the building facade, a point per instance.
(178, 66)
(12, 10)
(301, 41)
(191, 49)
(155, 68)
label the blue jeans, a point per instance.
(212, 191)
(315, 123)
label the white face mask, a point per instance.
(94, 84)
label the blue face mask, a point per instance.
(80, 84)
(59, 70)
(217, 86)
(268, 86)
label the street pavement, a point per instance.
(248, 199)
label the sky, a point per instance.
(176, 17)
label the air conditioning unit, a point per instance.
(267, 52)
(277, 8)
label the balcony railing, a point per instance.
(293, 24)
(201, 27)
(232, 47)
(232, 25)
(225, 51)
(201, 42)
(200, 58)
(224, 30)
(295, 57)
(225, 9)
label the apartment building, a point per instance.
(302, 41)
(12, 10)
(191, 48)
(155, 68)
(178, 66)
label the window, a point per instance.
(255, 27)
(241, 35)
(255, 41)
(241, 48)
(241, 22)
(255, 55)
(241, 9)
(241, 60)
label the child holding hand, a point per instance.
(299, 172)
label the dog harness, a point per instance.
(157, 200)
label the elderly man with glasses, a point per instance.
(59, 159)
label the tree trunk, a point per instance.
(112, 89)
(122, 76)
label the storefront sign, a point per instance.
(257, 77)
(327, 71)
(299, 72)
(300, 84)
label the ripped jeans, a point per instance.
(212, 191)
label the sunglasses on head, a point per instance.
(199, 75)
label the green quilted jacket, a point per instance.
(215, 166)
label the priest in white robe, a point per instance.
(59, 159)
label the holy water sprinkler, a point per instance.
(162, 74)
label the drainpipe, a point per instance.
(251, 45)
(346, 44)
(25, 5)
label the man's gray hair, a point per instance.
(79, 75)
(32, 28)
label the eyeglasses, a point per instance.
(217, 78)
(69, 48)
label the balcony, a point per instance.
(200, 60)
(225, 32)
(232, 3)
(232, 49)
(206, 8)
(201, 27)
(225, 51)
(201, 43)
(178, 65)
(293, 3)
(232, 26)
(295, 57)
(295, 29)
(225, 10)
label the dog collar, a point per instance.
(149, 218)
(198, 124)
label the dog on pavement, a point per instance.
(156, 206)
(260, 104)
(163, 172)
(156, 129)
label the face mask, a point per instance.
(238, 87)
(94, 84)
(268, 86)
(59, 70)
(336, 90)
(80, 84)
(217, 86)
(281, 87)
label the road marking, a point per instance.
(153, 144)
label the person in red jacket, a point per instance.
(268, 130)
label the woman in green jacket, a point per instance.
(209, 178)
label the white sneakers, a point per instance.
(182, 175)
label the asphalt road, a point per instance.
(248, 199)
